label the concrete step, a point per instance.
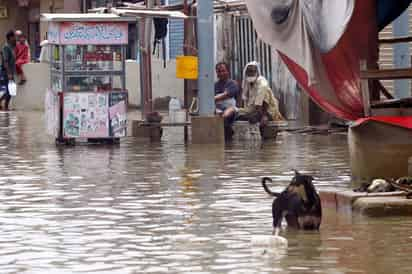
(367, 204)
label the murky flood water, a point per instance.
(171, 208)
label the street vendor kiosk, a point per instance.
(87, 98)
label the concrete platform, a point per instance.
(208, 130)
(379, 150)
(367, 204)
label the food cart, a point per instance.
(87, 98)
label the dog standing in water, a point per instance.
(299, 203)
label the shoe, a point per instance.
(22, 82)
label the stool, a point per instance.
(270, 131)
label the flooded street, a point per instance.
(175, 208)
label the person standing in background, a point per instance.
(8, 66)
(22, 52)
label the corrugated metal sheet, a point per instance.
(386, 56)
(386, 53)
(249, 48)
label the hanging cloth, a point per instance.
(389, 10)
(160, 26)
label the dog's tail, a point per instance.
(266, 188)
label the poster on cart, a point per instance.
(118, 114)
(52, 112)
(85, 115)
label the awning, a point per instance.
(83, 17)
(148, 13)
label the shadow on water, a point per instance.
(142, 207)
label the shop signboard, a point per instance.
(88, 33)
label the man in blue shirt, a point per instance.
(226, 91)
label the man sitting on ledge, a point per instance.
(260, 105)
(226, 91)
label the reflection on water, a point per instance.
(171, 208)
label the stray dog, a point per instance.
(299, 203)
(376, 186)
(380, 185)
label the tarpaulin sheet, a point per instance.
(389, 10)
(322, 43)
(405, 122)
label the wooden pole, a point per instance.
(145, 30)
(373, 49)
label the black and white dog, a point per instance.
(299, 203)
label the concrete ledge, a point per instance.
(383, 206)
(208, 130)
(368, 204)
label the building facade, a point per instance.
(25, 16)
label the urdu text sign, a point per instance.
(89, 33)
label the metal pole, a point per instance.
(185, 52)
(206, 57)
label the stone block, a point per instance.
(379, 150)
(154, 133)
(208, 130)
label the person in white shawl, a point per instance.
(260, 105)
